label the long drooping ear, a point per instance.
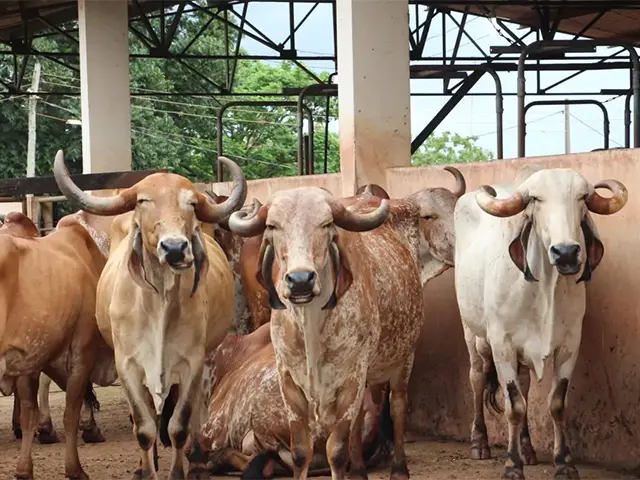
(595, 248)
(136, 263)
(518, 251)
(264, 275)
(200, 258)
(342, 271)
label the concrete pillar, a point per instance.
(373, 90)
(104, 78)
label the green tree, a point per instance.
(175, 133)
(450, 148)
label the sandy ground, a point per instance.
(117, 458)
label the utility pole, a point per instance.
(567, 129)
(32, 211)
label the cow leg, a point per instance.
(185, 415)
(15, 418)
(145, 427)
(76, 386)
(515, 408)
(399, 403)
(27, 387)
(46, 433)
(478, 378)
(562, 459)
(358, 470)
(90, 431)
(297, 409)
(528, 453)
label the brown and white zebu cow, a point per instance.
(164, 299)
(19, 225)
(57, 334)
(522, 258)
(243, 368)
(352, 315)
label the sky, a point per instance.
(473, 115)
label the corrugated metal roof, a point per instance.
(620, 25)
(29, 17)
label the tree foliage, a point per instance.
(450, 148)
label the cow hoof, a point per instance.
(567, 471)
(146, 474)
(93, 436)
(78, 474)
(513, 473)
(24, 476)
(176, 474)
(198, 473)
(399, 472)
(480, 452)
(48, 437)
(358, 474)
(528, 454)
(17, 432)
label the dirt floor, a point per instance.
(118, 456)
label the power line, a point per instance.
(593, 129)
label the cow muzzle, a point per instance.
(301, 286)
(565, 257)
(175, 252)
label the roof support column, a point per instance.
(373, 90)
(104, 79)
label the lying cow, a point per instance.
(165, 297)
(523, 253)
(60, 340)
(352, 315)
(18, 224)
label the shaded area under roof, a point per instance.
(615, 20)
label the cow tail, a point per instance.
(255, 468)
(90, 398)
(380, 451)
(491, 387)
(165, 416)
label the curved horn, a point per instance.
(461, 184)
(607, 206)
(359, 222)
(249, 224)
(504, 207)
(210, 212)
(114, 205)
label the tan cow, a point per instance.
(333, 275)
(61, 339)
(165, 297)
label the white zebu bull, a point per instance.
(520, 288)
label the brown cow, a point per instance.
(62, 340)
(19, 225)
(344, 322)
(247, 414)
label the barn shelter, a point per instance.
(373, 88)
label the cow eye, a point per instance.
(271, 226)
(142, 200)
(328, 225)
(429, 217)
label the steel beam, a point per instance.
(446, 109)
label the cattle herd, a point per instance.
(279, 338)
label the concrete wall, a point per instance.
(604, 401)
(262, 189)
